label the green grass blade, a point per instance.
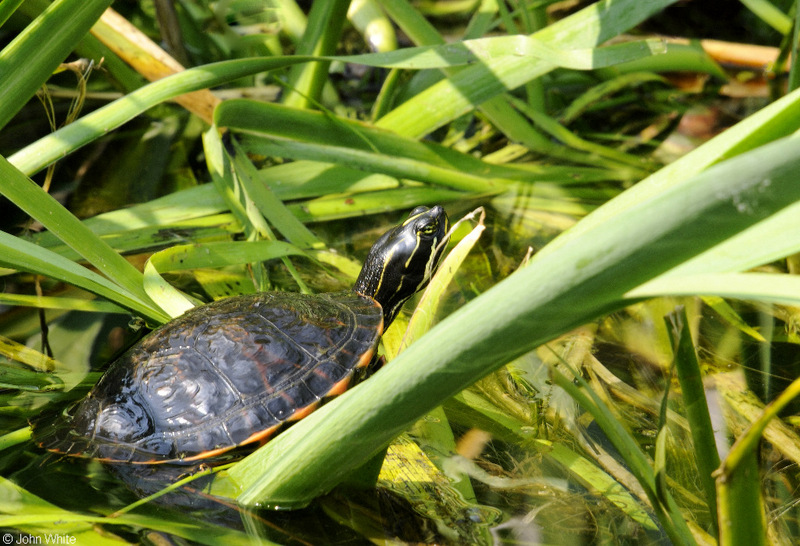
(558, 131)
(400, 167)
(370, 20)
(694, 400)
(596, 93)
(46, 150)
(767, 287)
(156, 235)
(412, 22)
(18, 352)
(186, 205)
(346, 206)
(302, 134)
(58, 302)
(7, 9)
(170, 299)
(771, 15)
(229, 186)
(764, 243)
(270, 206)
(497, 110)
(677, 57)
(223, 253)
(742, 519)
(33, 55)
(321, 37)
(794, 75)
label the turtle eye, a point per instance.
(428, 228)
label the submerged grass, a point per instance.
(509, 121)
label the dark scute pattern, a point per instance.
(280, 408)
(183, 389)
(219, 375)
(319, 382)
(244, 424)
(122, 422)
(299, 395)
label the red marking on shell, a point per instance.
(302, 413)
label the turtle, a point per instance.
(232, 372)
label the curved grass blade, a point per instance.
(678, 57)
(24, 256)
(370, 20)
(169, 298)
(208, 255)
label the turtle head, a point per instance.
(403, 260)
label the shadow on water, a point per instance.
(344, 517)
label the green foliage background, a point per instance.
(501, 112)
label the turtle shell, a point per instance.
(222, 375)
